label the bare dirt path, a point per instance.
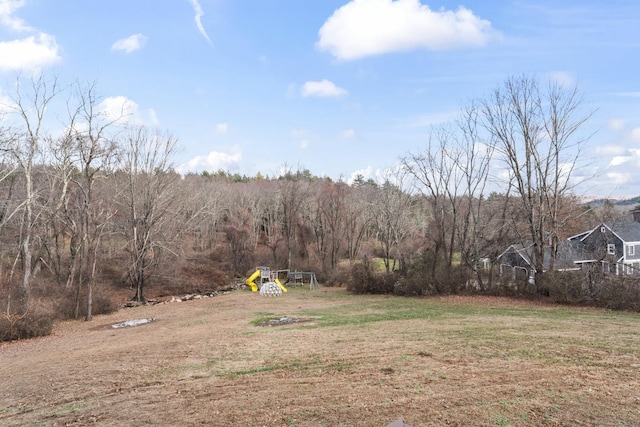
(204, 362)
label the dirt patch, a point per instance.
(448, 361)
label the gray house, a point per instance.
(615, 247)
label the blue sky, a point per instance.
(337, 87)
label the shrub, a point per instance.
(564, 286)
(36, 321)
(418, 279)
(14, 327)
(339, 276)
(364, 280)
(412, 285)
(63, 301)
(620, 293)
(592, 287)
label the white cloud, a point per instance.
(304, 144)
(323, 88)
(222, 128)
(377, 175)
(618, 178)
(373, 27)
(32, 52)
(8, 20)
(619, 160)
(214, 161)
(365, 173)
(119, 108)
(131, 43)
(126, 111)
(616, 164)
(198, 18)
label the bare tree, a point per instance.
(358, 217)
(61, 174)
(438, 176)
(245, 208)
(392, 212)
(327, 221)
(204, 208)
(146, 201)
(293, 192)
(272, 218)
(94, 150)
(474, 163)
(28, 107)
(535, 132)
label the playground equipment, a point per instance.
(271, 289)
(303, 278)
(268, 284)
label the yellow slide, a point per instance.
(280, 284)
(250, 281)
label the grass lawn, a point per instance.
(350, 361)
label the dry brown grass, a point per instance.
(364, 361)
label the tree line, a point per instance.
(94, 191)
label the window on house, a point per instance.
(611, 249)
(602, 229)
(631, 250)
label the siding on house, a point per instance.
(597, 244)
(632, 251)
(616, 248)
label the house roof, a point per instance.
(569, 252)
(628, 231)
(520, 249)
(580, 236)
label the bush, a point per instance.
(339, 276)
(620, 293)
(364, 280)
(564, 287)
(412, 286)
(30, 326)
(63, 301)
(592, 287)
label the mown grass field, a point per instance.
(355, 361)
